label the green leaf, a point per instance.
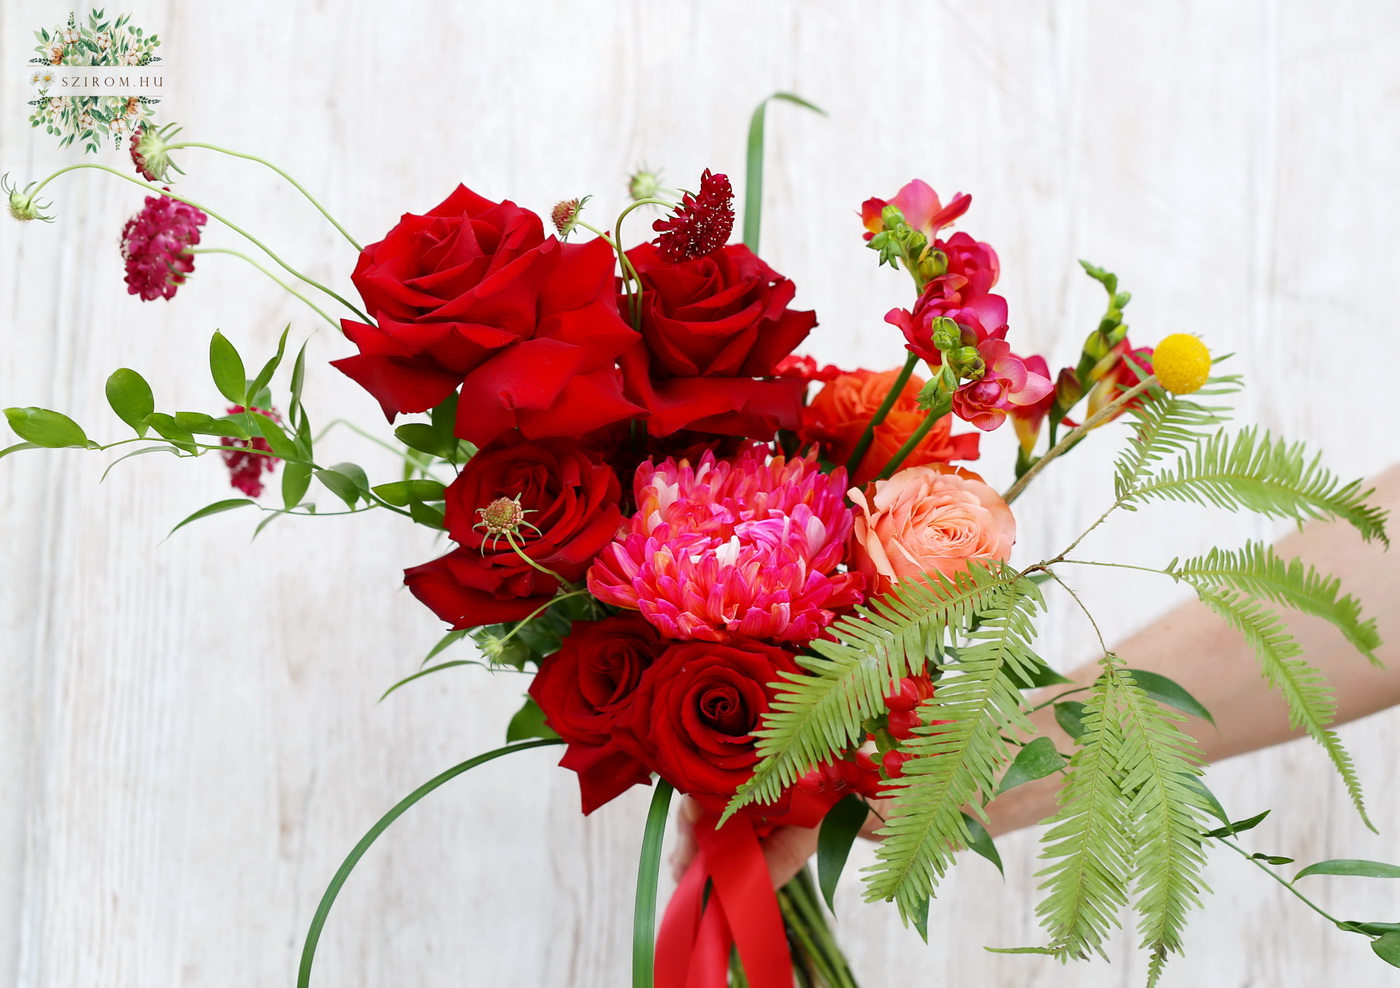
(1166, 424)
(1037, 759)
(960, 750)
(919, 917)
(401, 493)
(1237, 827)
(140, 452)
(1069, 714)
(1351, 867)
(296, 480)
(1387, 948)
(439, 668)
(1167, 691)
(16, 448)
(270, 368)
(131, 398)
(528, 722)
(226, 366)
(980, 842)
(318, 921)
(340, 485)
(46, 428)
(282, 446)
(897, 635)
(1259, 571)
(1254, 472)
(445, 642)
(1368, 929)
(202, 424)
(753, 181)
(1311, 703)
(424, 438)
(839, 830)
(427, 514)
(271, 517)
(1273, 859)
(648, 870)
(1041, 674)
(213, 509)
(298, 382)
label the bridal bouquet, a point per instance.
(773, 585)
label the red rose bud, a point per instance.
(701, 224)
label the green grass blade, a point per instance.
(648, 868)
(318, 921)
(753, 181)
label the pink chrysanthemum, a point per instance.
(156, 247)
(747, 548)
(245, 469)
(701, 224)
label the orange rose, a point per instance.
(840, 412)
(926, 519)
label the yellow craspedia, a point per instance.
(1181, 363)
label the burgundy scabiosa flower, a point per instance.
(245, 469)
(741, 548)
(701, 224)
(156, 247)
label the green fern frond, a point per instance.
(1266, 475)
(1166, 424)
(960, 752)
(1311, 704)
(1087, 884)
(824, 710)
(1166, 815)
(1260, 572)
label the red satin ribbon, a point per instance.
(692, 949)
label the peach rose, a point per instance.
(840, 412)
(926, 519)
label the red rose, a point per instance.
(694, 712)
(584, 687)
(561, 503)
(472, 295)
(711, 326)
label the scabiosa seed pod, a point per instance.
(156, 247)
(565, 215)
(644, 184)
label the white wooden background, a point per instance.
(189, 738)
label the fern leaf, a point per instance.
(1166, 814)
(1087, 884)
(1311, 704)
(1270, 476)
(824, 710)
(1166, 424)
(960, 752)
(1260, 572)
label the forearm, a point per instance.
(1195, 648)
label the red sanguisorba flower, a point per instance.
(472, 295)
(156, 246)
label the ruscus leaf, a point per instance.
(1351, 867)
(226, 367)
(838, 832)
(1037, 759)
(213, 509)
(131, 398)
(45, 427)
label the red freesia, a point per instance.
(1006, 384)
(711, 327)
(921, 207)
(584, 688)
(981, 317)
(471, 295)
(568, 506)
